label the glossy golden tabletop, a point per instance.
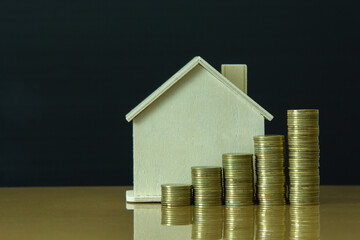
(100, 213)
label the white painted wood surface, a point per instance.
(130, 197)
(179, 76)
(192, 123)
(237, 74)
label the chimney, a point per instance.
(237, 74)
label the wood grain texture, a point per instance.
(192, 123)
(237, 74)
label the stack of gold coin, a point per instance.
(207, 183)
(176, 216)
(271, 222)
(208, 222)
(238, 178)
(270, 171)
(304, 222)
(303, 143)
(176, 194)
(239, 222)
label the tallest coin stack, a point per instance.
(303, 143)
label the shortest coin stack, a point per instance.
(176, 194)
(207, 183)
(238, 179)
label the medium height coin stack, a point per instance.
(207, 183)
(238, 179)
(270, 171)
(303, 142)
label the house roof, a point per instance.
(180, 74)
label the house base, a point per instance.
(131, 198)
(142, 206)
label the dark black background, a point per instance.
(71, 70)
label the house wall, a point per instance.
(191, 124)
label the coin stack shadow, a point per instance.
(207, 184)
(176, 194)
(208, 222)
(239, 222)
(238, 179)
(270, 171)
(304, 222)
(271, 222)
(303, 143)
(176, 216)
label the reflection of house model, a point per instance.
(191, 120)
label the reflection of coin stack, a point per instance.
(269, 151)
(238, 179)
(239, 222)
(207, 183)
(303, 142)
(304, 222)
(208, 222)
(271, 222)
(176, 194)
(175, 216)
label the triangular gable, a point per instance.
(179, 75)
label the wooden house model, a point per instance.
(191, 120)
